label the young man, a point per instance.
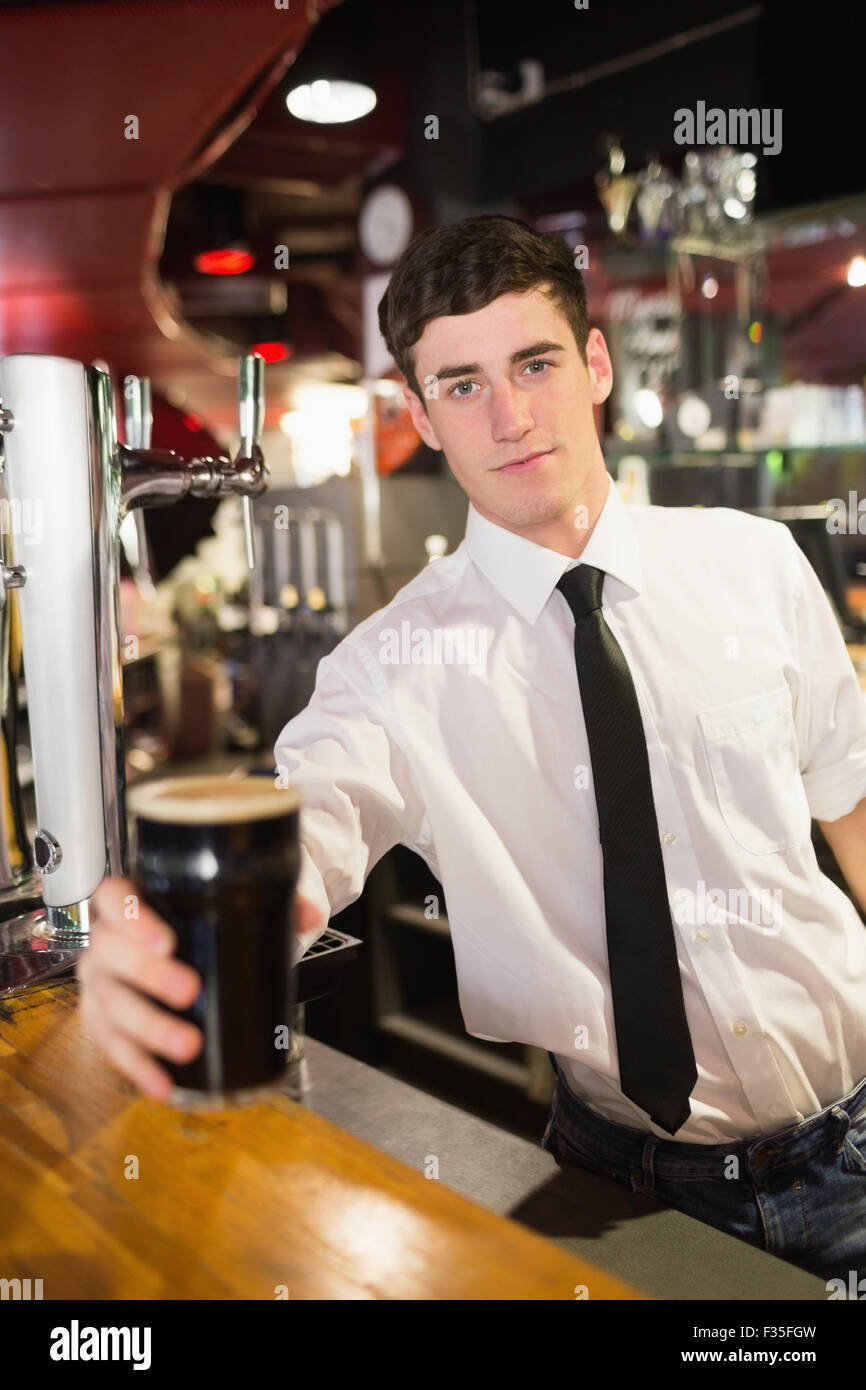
(606, 730)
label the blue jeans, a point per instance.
(800, 1193)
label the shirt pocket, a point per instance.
(753, 755)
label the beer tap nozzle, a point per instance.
(249, 464)
(138, 428)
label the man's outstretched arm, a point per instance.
(847, 839)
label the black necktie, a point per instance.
(656, 1060)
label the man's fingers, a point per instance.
(307, 915)
(128, 1013)
(133, 1063)
(113, 955)
(126, 975)
(118, 901)
(151, 1079)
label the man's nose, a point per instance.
(510, 413)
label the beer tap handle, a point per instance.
(137, 411)
(138, 426)
(251, 409)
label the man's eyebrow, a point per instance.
(469, 368)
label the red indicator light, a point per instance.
(272, 352)
(229, 261)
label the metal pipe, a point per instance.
(578, 80)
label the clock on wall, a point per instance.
(386, 223)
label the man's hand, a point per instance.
(128, 959)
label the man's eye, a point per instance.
(536, 362)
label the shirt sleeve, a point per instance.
(830, 707)
(358, 798)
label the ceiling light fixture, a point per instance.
(331, 102)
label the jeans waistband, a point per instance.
(762, 1153)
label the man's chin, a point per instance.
(529, 509)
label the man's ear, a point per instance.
(599, 366)
(419, 418)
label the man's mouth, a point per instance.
(523, 465)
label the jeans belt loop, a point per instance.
(649, 1148)
(843, 1124)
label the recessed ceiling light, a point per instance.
(331, 103)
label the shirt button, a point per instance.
(777, 1109)
(702, 935)
(740, 1028)
(669, 838)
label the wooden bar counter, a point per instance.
(106, 1195)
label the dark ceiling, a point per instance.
(99, 232)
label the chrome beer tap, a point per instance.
(63, 461)
(154, 477)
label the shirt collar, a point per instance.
(526, 573)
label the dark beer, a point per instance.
(218, 859)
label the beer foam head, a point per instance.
(211, 800)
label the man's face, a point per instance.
(486, 410)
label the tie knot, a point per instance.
(582, 586)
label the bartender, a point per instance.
(606, 729)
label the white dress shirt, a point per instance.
(479, 761)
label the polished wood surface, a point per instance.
(106, 1195)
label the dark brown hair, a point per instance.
(464, 266)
